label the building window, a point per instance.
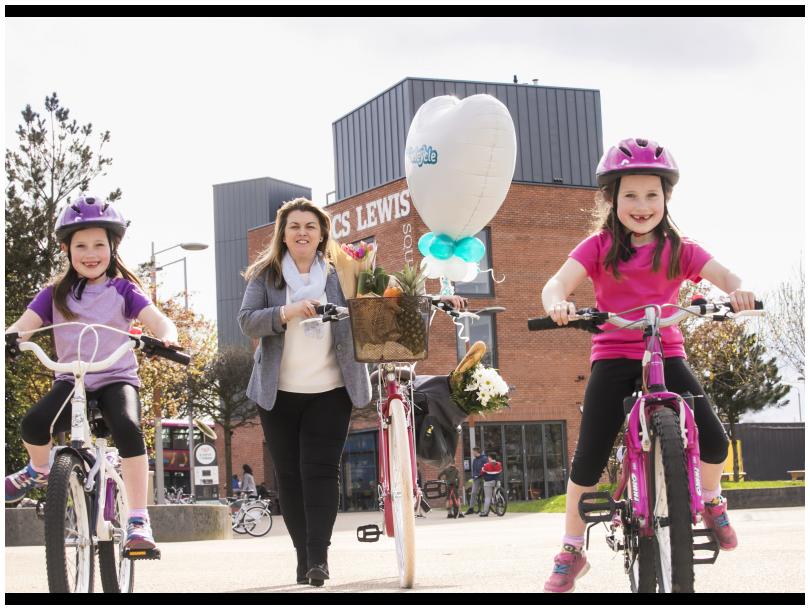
(482, 329)
(533, 456)
(481, 286)
(358, 472)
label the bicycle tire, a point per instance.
(402, 500)
(116, 571)
(257, 521)
(670, 499)
(499, 500)
(643, 573)
(66, 510)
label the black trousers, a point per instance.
(306, 434)
(603, 414)
(120, 406)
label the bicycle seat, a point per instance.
(403, 373)
(93, 410)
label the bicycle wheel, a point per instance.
(257, 521)
(670, 507)
(642, 573)
(68, 543)
(499, 500)
(402, 500)
(117, 572)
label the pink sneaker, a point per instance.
(716, 519)
(569, 565)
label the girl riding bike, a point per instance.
(94, 288)
(635, 256)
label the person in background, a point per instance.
(491, 471)
(235, 486)
(479, 460)
(450, 475)
(248, 483)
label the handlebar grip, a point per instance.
(757, 304)
(153, 347)
(544, 323)
(12, 345)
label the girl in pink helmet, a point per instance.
(94, 287)
(635, 257)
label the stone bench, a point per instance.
(170, 523)
(796, 475)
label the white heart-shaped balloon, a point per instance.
(459, 162)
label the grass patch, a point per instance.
(556, 504)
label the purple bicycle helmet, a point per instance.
(88, 211)
(636, 156)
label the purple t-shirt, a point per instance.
(638, 285)
(116, 303)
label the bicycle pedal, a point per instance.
(369, 533)
(136, 554)
(710, 545)
(434, 489)
(597, 506)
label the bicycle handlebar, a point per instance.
(589, 319)
(330, 312)
(149, 345)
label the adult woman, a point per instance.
(305, 381)
(248, 483)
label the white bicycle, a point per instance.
(86, 502)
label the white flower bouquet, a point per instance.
(481, 390)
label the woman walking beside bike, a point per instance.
(635, 257)
(95, 288)
(304, 380)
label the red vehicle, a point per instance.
(175, 453)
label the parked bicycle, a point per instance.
(498, 503)
(392, 332)
(251, 516)
(658, 498)
(86, 507)
(176, 495)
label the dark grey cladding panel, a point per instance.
(239, 207)
(559, 132)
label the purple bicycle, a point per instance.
(658, 497)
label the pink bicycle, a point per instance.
(658, 498)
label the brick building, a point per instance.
(544, 215)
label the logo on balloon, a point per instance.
(423, 155)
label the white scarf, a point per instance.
(299, 288)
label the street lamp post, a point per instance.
(159, 490)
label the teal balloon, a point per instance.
(470, 249)
(424, 243)
(442, 247)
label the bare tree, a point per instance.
(784, 329)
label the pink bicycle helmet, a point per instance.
(88, 211)
(636, 156)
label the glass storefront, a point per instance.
(533, 456)
(358, 472)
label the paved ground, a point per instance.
(512, 553)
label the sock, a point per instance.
(139, 513)
(710, 494)
(44, 469)
(573, 544)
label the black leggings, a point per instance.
(119, 405)
(603, 414)
(306, 434)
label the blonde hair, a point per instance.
(269, 260)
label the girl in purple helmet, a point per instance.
(94, 287)
(635, 257)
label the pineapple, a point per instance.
(409, 318)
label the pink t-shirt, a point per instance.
(638, 285)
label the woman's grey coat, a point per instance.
(260, 317)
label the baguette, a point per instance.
(470, 360)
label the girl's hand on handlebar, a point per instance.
(301, 309)
(742, 300)
(561, 311)
(456, 301)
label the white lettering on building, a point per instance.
(376, 212)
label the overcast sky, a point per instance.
(195, 102)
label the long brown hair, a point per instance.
(69, 280)
(606, 219)
(270, 258)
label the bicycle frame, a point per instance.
(388, 378)
(636, 464)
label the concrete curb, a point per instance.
(170, 523)
(764, 497)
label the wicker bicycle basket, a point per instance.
(390, 329)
